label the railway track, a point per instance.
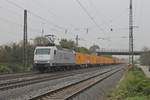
(69, 91)
(18, 75)
(21, 82)
(12, 76)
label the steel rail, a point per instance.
(21, 83)
(68, 91)
(16, 75)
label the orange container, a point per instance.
(82, 58)
(93, 59)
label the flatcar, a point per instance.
(50, 58)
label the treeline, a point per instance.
(69, 44)
(14, 53)
(11, 56)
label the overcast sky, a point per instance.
(56, 16)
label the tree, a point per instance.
(4, 53)
(94, 48)
(83, 50)
(39, 41)
(68, 44)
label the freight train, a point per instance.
(50, 58)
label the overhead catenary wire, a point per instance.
(36, 15)
(89, 15)
(42, 20)
(15, 23)
(18, 6)
(109, 21)
(28, 11)
(11, 11)
(50, 12)
(104, 23)
(45, 20)
(18, 24)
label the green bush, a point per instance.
(137, 98)
(13, 68)
(18, 67)
(5, 69)
(143, 87)
(134, 85)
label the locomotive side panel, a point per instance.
(64, 58)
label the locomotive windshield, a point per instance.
(42, 51)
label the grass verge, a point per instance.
(13, 68)
(134, 86)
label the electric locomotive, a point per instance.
(50, 58)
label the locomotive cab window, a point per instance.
(42, 51)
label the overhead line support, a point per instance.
(131, 46)
(25, 41)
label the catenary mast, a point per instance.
(131, 47)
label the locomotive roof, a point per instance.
(54, 47)
(43, 47)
